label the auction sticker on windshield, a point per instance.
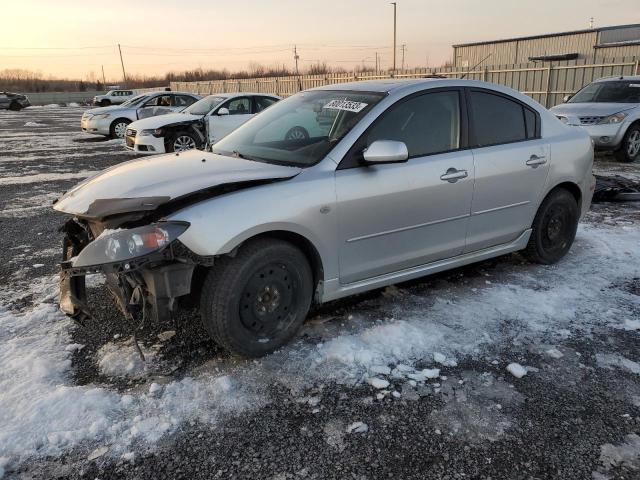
(348, 105)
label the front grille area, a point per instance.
(130, 137)
(589, 120)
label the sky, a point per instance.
(75, 39)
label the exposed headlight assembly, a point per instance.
(123, 245)
(615, 118)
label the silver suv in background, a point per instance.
(393, 180)
(113, 97)
(112, 121)
(609, 109)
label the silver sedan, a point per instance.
(387, 181)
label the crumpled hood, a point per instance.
(145, 183)
(590, 109)
(162, 120)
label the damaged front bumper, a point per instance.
(148, 283)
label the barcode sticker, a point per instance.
(347, 105)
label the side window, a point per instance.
(497, 120)
(238, 106)
(152, 102)
(263, 102)
(184, 100)
(427, 124)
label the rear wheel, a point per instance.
(554, 228)
(182, 141)
(15, 106)
(105, 103)
(630, 146)
(254, 303)
(119, 127)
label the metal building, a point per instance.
(591, 45)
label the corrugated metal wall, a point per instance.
(547, 83)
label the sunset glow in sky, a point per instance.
(52, 36)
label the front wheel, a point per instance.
(105, 103)
(181, 141)
(630, 147)
(255, 302)
(119, 127)
(15, 106)
(554, 228)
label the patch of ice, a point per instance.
(379, 383)
(431, 372)
(554, 353)
(630, 324)
(516, 370)
(625, 454)
(357, 427)
(612, 360)
(35, 124)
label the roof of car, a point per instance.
(394, 84)
(633, 78)
(242, 94)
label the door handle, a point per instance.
(535, 160)
(453, 175)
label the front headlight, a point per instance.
(87, 116)
(102, 115)
(156, 132)
(120, 245)
(562, 118)
(615, 118)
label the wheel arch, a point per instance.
(572, 188)
(305, 245)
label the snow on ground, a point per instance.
(43, 413)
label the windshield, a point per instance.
(204, 105)
(300, 130)
(135, 100)
(610, 92)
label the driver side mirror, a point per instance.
(566, 98)
(223, 111)
(385, 151)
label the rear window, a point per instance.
(497, 120)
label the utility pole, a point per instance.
(296, 57)
(394, 35)
(591, 23)
(403, 47)
(377, 64)
(104, 82)
(124, 75)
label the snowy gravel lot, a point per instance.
(501, 370)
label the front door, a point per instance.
(402, 215)
(239, 112)
(511, 165)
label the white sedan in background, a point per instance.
(113, 121)
(204, 122)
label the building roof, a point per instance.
(547, 35)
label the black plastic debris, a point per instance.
(616, 189)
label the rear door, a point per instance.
(397, 216)
(240, 110)
(511, 166)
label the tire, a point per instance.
(105, 103)
(15, 106)
(297, 133)
(630, 146)
(119, 127)
(255, 302)
(181, 138)
(554, 228)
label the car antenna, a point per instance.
(473, 68)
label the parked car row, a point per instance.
(608, 108)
